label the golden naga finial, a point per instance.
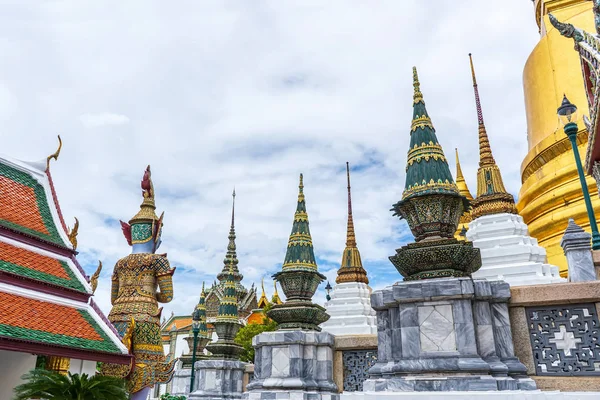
(72, 234)
(55, 154)
(94, 278)
(418, 96)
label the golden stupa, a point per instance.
(551, 192)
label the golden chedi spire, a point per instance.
(263, 301)
(351, 269)
(276, 299)
(463, 189)
(492, 197)
(460, 180)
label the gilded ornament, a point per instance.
(55, 154)
(72, 234)
(94, 278)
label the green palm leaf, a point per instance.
(49, 385)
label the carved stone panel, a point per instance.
(565, 340)
(356, 365)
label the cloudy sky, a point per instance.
(217, 94)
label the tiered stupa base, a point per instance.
(445, 335)
(293, 365)
(508, 252)
(218, 380)
(350, 310)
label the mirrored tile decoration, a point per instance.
(565, 339)
(356, 367)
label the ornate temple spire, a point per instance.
(228, 306)
(231, 256)
(351, 269)
(492, 197)
(276, 299)
(300, 253)
(200, 313)
(427, 169)
(263, 301)
(461, 183)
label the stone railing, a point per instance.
(556, 334)
(354, 355)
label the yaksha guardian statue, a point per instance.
(139, 282)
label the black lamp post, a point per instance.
(328, 289)
(567, 114)
(195, 330)
(463, 232)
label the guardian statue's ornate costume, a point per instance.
(140, 281)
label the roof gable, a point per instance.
(35, 264)
(27, 205)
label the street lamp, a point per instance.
(567, 114)
(195, 330)
(328, 289)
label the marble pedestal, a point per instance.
(181, 382)
(218, 380)
(293, 365)
(447, 334)
(350, 310)
(508, 253)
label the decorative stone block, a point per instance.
(455, 337)
(565, 339)
(300, 366)
(218, 380)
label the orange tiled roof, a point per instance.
(178, 322)
(40, 321)
(26, 263)
(257, 317)
(25, 206)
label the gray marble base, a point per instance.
(218, 380)
(449, 334)
(181, 382)
(293, 365)
(278, 395)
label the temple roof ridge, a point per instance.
(351, 268)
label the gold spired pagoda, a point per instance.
(507, 251)
(492, 197)
(350, 305)
(551, 192)
(463, 189)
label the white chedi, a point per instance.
(350, 310)
(508, 252)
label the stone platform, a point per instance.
(508, 253)
(293, 365)
(505, 395)
(218, 379)
(447, 334)
(350, 310)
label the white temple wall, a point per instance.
(82, 367)
(12, 366)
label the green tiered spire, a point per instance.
(231, 256)
(199, 314)
(299, 278)
(432, 206)
(300, 253)
(228, 306)
(427, 169)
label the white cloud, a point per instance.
(251, 94)
(91, 120)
